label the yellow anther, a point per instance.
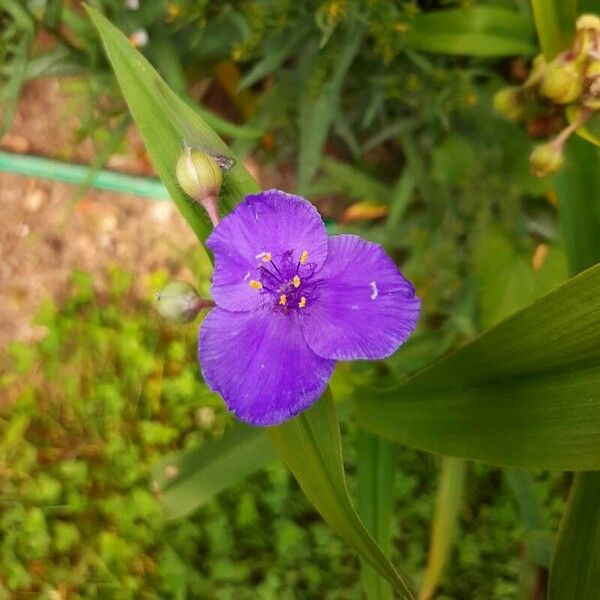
(303, 257)
(257, 285)
(266, 257)
(302, 302)
(283, 299)
(296, 281)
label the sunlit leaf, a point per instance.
(448, 500)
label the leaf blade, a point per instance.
(187, 480)
(526, 393)
(310, 445)
(575, 567)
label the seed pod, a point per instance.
(546, 159)
(179, 302)
(508, 103)
(562, 82)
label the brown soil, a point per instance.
(42, 242)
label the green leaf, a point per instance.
(555, 24)
(526, 393)
(578, 189)
(310, 445)
(476, 31)
(316, 114)
(537, 535)
(506, 279)
(376, 472)
(186, 480)
(448, 503)
(164, 121)
(575, 568)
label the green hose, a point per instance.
(36, 166)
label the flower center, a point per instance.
(286, 281)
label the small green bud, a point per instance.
(200, 177)
(546, 159)
(198, 174)
(588, 22)
(179, 302)
(507, 102)
(562, 82)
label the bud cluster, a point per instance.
(571, 80)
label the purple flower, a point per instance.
(290, 302)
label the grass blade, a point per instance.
(448, 502)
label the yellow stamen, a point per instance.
(303, 257)
(296, 281)
(302, 302)
(257, 285)
(266, 257)
(282, 299)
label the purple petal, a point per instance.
(271, 222)
(261, 365)
(365, 307)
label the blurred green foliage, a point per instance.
(109, 391)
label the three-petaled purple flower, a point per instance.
(290, 301)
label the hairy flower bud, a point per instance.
(200, 177)
(588, 22)
(562, 82)
(546, 159)
(179, 302)
(507, 102)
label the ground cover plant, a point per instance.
(444, 184)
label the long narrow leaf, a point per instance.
(376, 472)
(526, 393)
(575, 568)
(310, 445)
(555, 24)
(186, 480)
(164, 121)
(448, 502)
(474, 31)
(578, 188)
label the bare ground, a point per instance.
(41, 243)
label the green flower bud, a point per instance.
(507, 102)
(198, 174)
(200, 177)
(546, 159)
(562, 82)
(179, 302)
(588, 22)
